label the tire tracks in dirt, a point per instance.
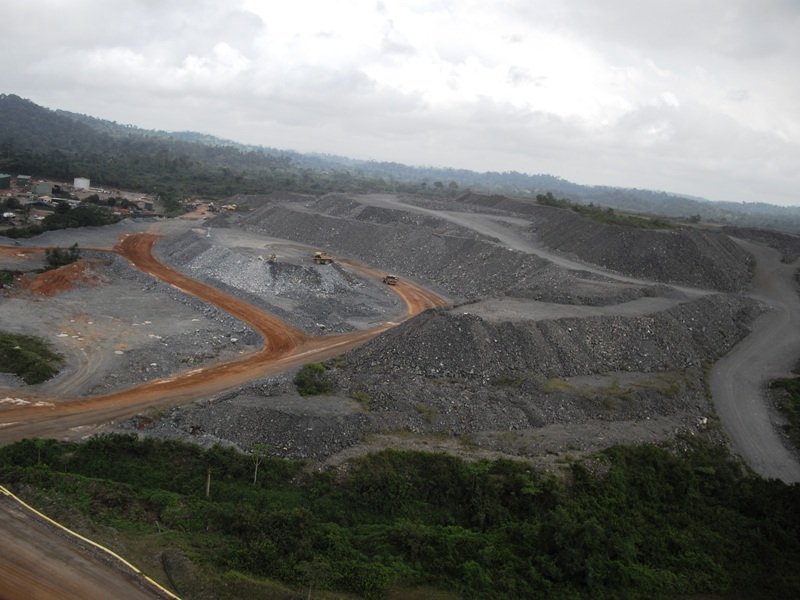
(285, 348)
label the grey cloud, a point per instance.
(738, 95)
(747, 49)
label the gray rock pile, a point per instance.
(451, 372)
(311, 298)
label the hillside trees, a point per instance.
(634, 522)
(56, 257)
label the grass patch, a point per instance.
(556, 384)
(337, 362)
(668, 385)
(509, 380)
(28, 357)
(607, 216)
(363, 398)
(428, 412)
(615, 392)
(788, 403)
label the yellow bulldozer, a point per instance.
(390, 279)
(321, 258)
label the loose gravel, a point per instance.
(514, 385)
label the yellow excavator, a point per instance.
(321, 258)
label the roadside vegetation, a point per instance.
(633, 522)
(607, 216)
(28, 357)
(311, 380)
(788, 402)
(57, 257)
(86, 215)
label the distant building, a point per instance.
(5, 181)
(81, 183)
(43, 188)
(24, 181)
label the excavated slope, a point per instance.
(700, 258)
(448, 371)
(411, 245)
(692, 257)
(466, 265)
(445, 343)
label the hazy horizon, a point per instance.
(696, 100)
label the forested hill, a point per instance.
(61, 145)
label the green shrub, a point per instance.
(6, 277)
(509, 380)
(632, 522)
(28, 357)
(788, 402)
(311, 380)
(56, 257)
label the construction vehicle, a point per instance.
(273, 258)
(322, 259)
(390, 279)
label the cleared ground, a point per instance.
(108, 324)
(57, 416)
(130, 342)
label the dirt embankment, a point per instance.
(456, 344)
(285, 348)
(449, 371)
(532, 389)
(684, 256)
(456, 261)
(786, 243)
(452, 372)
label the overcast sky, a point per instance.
(693, 97)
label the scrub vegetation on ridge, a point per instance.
(632, 522)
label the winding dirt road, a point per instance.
(29, 547)
(739, 379)
(284, 349)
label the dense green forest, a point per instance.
(633, 522)
(61, 145)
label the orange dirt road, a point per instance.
(285, 348)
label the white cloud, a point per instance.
(698, 98)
